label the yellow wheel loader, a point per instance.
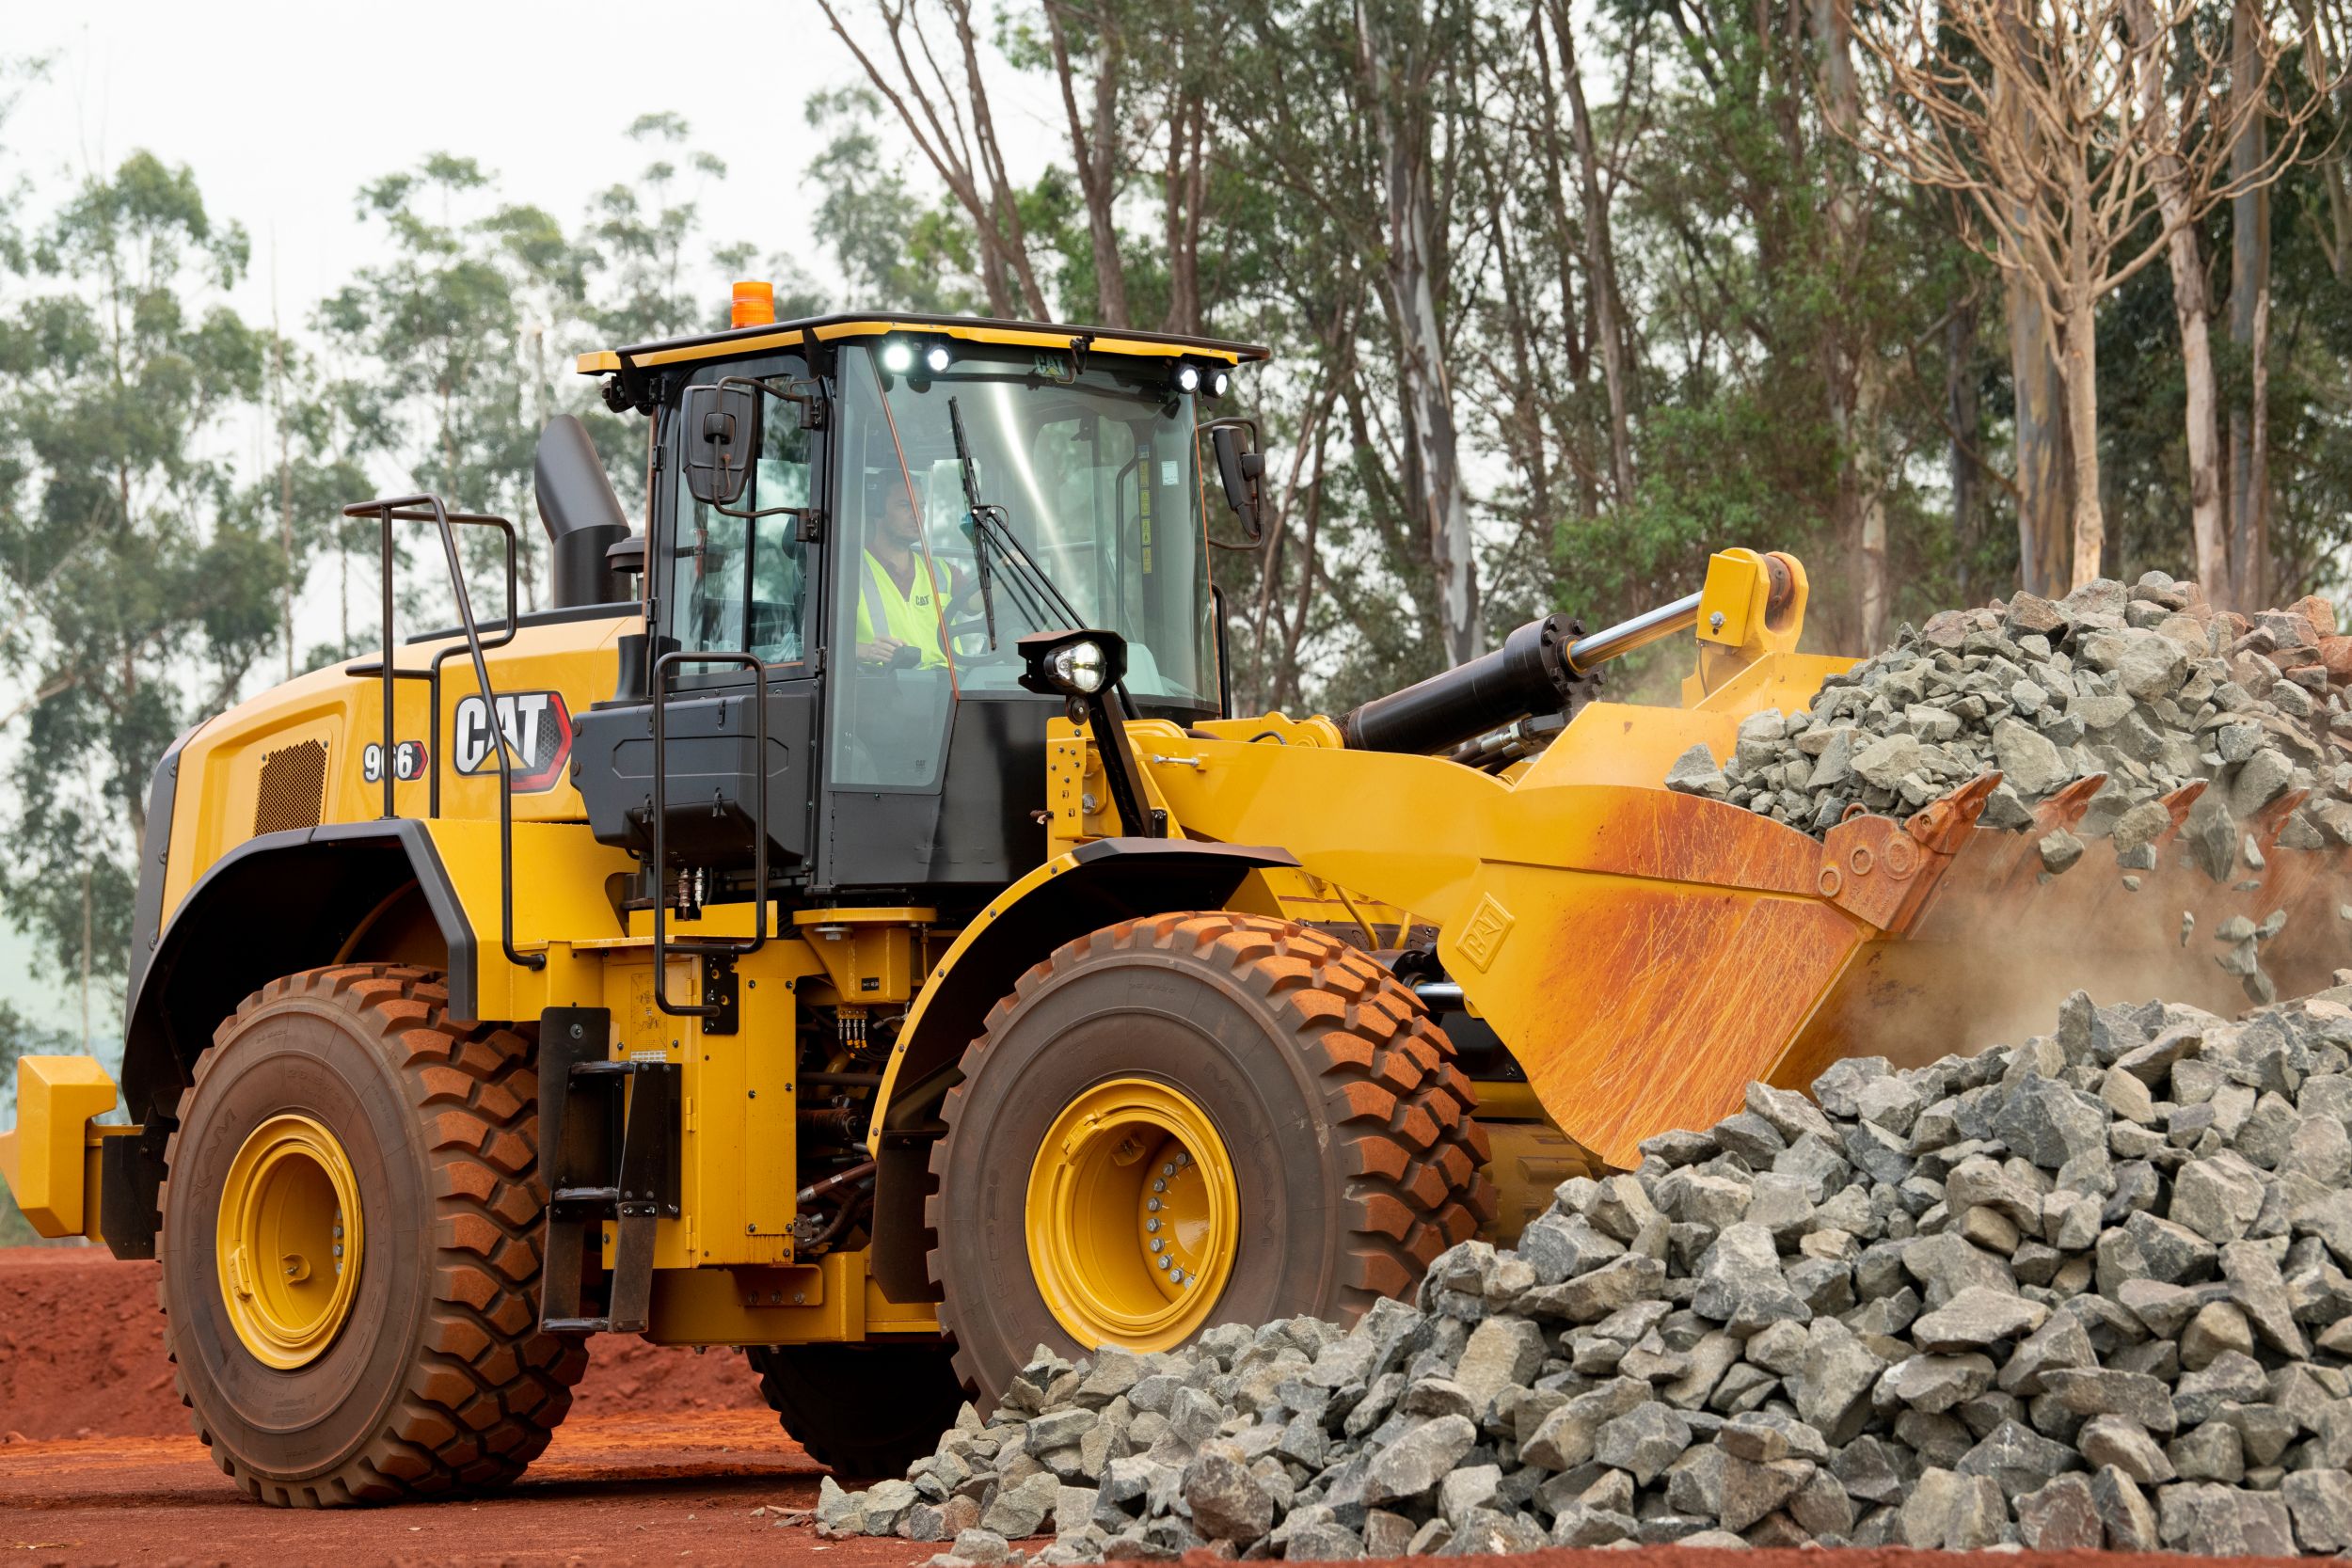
(853, 925)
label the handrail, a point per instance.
(420, 508)
(759, 939)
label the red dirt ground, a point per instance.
(667, 1457)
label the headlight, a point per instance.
(937, 359)
(1187, 378)
(898, 358)
(1079, 667)
(1218, 384)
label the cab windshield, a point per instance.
(1094, 469)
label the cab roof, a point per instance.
(818, 329)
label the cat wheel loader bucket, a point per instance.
(1645, 954)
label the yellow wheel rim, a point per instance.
(289, 1241)
(1132, 1215)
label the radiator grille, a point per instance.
(293, 789)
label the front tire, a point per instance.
(1269, 1105)
(338, 1104)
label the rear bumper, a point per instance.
(51, 1160)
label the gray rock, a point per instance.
(1949, 1511)
(2217, 1197)
(2223, 1521)
(1019, 1511)
(981, 1547)
(1642, 1442)
(2029, 764)
(1740, 1285)
(2320, 1504)
(2103, 1391)
(2125, 1512)
(1751, 1491)
(1695, 773)
(2112, 1440)
(1502, 1352)
(1471, 1487)
(1935, 1384)
(2062, 1516)
(1975, 1317)
(2050, 1122)
(1412, 1465)
(1945, 1265)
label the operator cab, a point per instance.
(876, 513)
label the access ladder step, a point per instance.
(610, 1143)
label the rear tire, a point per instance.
(866, 1410)
(435, 1379)
(1340, 1134)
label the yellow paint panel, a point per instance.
(732, 1306)
(220, 766)
(45, 1158)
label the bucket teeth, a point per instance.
(2176, 805)
(2265, 825)
(2069, 805)
(1943, 825)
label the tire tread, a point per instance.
(1412, 1153)
(462, 1422)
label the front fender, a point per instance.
(1097, 884)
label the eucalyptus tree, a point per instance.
(138, 589)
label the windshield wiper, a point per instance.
(972, 510)
(1031, 586)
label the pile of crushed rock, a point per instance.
(2149, 685)
(2087, 1291)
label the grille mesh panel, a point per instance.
(292, 789)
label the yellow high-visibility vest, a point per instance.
(909, 614)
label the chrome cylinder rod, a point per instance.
(1587, 653)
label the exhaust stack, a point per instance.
(581, 512)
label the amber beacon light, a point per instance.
(754, 305)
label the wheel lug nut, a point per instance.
(1152, 1206)
(1150, 1225)
(1157, 1245)
(1159, 1186)
(1167, 1169)
(1163, 1263)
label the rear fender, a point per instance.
(1097, 884)
(273, 906)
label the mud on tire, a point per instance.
(439, 1380)
(1338, 1100)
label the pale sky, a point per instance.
(284, 110)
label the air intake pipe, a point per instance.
(582, 516)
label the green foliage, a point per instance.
(136, 581)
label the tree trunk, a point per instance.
(1094, 153)
(1964, 413)
(2082, 434)
(2191, 314)
(1600, 261)
(2249, 330)
(1877, 595)
(1399, 116)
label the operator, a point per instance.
(901, 596)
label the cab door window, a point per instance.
(742, 584)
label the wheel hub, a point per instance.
(288, 1241)
(1133, 1218)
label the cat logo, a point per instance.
(538, 731)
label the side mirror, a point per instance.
(1239, 466)
(722, 435)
